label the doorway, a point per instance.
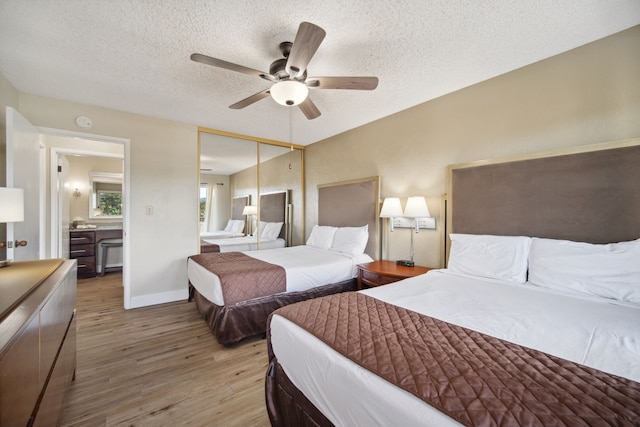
(75, 194)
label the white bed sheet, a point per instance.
(219, 234)
(592, 331)
(245, 243)
(306, 267)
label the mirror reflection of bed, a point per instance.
(272, 230)
(236, 291)
(236, 225)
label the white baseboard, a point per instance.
(161, 298)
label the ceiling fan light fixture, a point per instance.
(289, 92)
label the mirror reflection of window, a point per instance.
(204, 192)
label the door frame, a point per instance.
(14, 130)
(126, 219)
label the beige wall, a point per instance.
(163, 174)
(584, 96)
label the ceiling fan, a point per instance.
(289, 74)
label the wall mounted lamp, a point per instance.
(391, 208)
(76, 193)
(416, 215)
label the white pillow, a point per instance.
(496, 257)
(610, 271)
(270, 230)
(229, 225)
(351, 240)
(238, 226)
(322, 236)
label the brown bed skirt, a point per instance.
(286, 405)
(230, 324)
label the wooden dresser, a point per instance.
(37, 340)
(83, 248)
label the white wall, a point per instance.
(8, 98)
(163, 174)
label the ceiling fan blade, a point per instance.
(307, 41)
(355, 83)
(250, 100)
(204, 59)
(309, 109)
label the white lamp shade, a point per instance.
(416, 208)
(11, 204)
(250, 210)
(289, 92)
(391, 207)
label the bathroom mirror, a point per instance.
(106, 195)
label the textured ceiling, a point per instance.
(133, 55)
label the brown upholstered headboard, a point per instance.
(588, 194)
(237, 206)
(274, 208)
(352, 204)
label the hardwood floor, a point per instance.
(158, 366)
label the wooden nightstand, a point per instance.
(378, 273)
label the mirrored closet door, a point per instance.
(251, 180)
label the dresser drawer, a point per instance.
(82, 237)
(86, 267)
(79, 251)
(375, 279)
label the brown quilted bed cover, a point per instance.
(206, 247)
(476, 379)
(243, 277)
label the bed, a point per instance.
(235, 227)
(272, 231)
(535, 320)
(236, 291)
(244, 243)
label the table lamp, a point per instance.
(11, 210)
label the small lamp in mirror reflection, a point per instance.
(250, 211)
(76, 193)
(391, 208)
(11, 210)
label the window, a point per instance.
(204, 191)
(106, 195)
(109, 203)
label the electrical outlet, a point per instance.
(149, 210)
